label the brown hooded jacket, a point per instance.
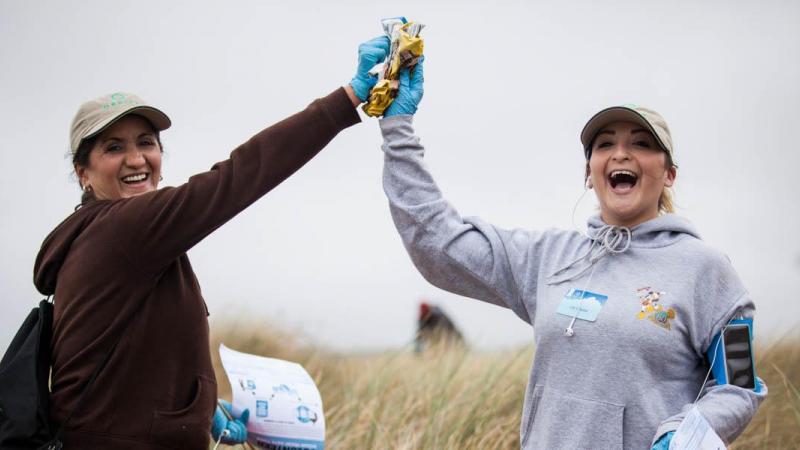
(119, 268)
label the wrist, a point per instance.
(351, 93)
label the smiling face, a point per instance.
(628, 171)
(125, 160)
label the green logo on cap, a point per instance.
(119, 99)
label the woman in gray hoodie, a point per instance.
(624, 314)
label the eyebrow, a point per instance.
(612, 132)
(114, 138)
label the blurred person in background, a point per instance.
(623, 314)
(434, 327)
(120, 274)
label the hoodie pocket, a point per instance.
(556, 420)
(529, 406)
(188, 427)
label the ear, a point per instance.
(588, 176)
(83, 177)
(670, 176)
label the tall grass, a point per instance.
(777, 424)
(459, 399)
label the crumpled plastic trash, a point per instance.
(405, 51)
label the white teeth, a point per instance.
(622, 172)
(135, 178)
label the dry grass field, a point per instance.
(468, 400)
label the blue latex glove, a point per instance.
(663, 442)
(237, 428)
(370, 53)
(410, 92)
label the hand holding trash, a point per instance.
(224, 421)
(410, 92)
(405, 52)
(370, 54)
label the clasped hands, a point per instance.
(374, 52)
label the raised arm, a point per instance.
(156, 228)
(160, 226)
(466, 256)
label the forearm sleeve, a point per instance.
(727, 408)
(466, 256)
(162, 225)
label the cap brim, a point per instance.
(155, 116)
(611, 115)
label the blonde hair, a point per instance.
(665, 202)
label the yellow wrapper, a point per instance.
(409, 49)
(380, 97)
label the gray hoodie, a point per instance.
(622, 380)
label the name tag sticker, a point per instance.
(586, 304)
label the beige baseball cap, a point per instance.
(96, 115)
(645, 117)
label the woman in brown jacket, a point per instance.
(119, 271)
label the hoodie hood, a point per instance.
(662, 231)
(56, 246)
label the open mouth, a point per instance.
(622, 180)
(135, 178)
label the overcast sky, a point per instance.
(508, 87)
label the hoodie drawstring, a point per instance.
(609, 239)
